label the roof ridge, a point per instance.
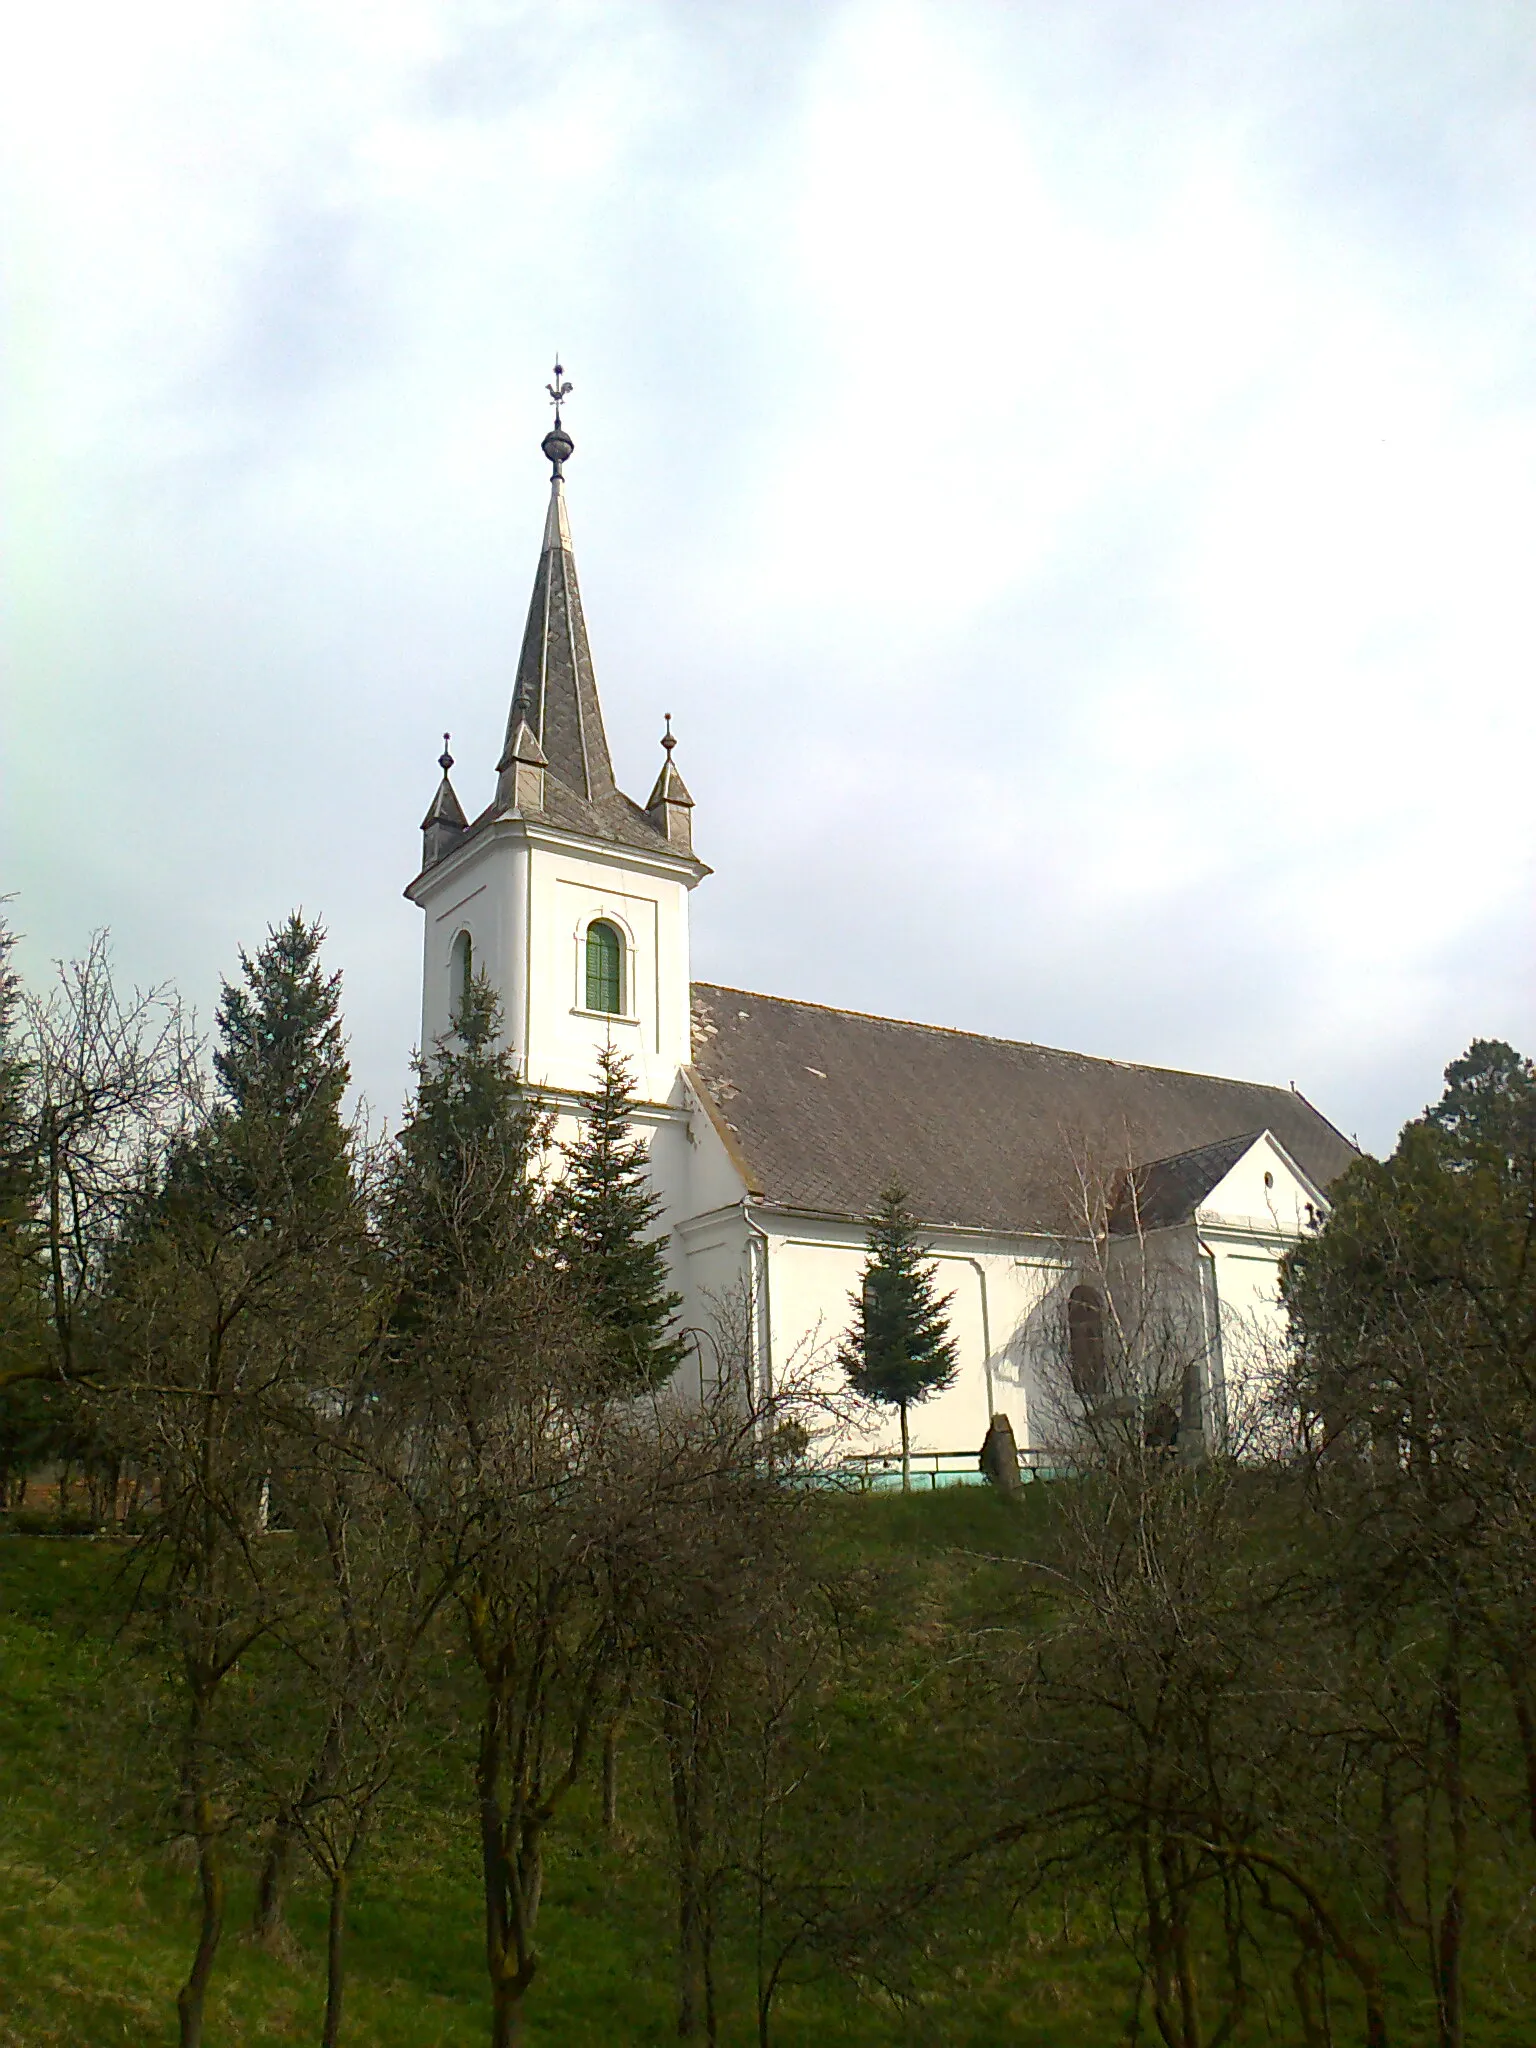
(1022, 1044)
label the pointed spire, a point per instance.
(669, 806)
(445, 823)
(555, 695)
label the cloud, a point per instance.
(1067, 471)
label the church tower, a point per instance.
(570, 897)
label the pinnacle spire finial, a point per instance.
(670, 807)
(445, 824)
(557, 443)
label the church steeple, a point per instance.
(555, 695)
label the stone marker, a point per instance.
(1000, 1455)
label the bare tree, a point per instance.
(110, 1079)
(323, 1739)
(715, 1554)
(1126, 1353)
(227, 1306)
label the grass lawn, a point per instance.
(97, 1909)
(97, 1913)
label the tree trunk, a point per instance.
(63, 1325)
(506, 2015)
(1391, 1849)
(692, 1997)
(193, 1994)
(611, 1778)
(906, 1451)
(707, 1953)
(271, 1882)
(1449, 2000)
(513, 1884)
(1525, 1728)
(335, 1959)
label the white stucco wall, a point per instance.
(997, 1288)
(1244, 1228)
(526, 894)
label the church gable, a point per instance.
(1248, 1183)
(1264, 1194)
(824, 1106)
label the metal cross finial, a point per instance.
(445, 759)
(558, 390)
(666, 739)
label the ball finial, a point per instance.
(557, 444)
(445, 759)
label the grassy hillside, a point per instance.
(96, 1911)
(96, 1905)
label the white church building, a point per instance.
(1041, 1178)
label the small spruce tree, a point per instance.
(617, 1267)
(463, 1201)
(899, 1350)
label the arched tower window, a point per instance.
(605, 969)
(1085, 1341)
(461, 972)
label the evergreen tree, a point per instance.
(282, 1066)
(238, 1303)
(899, 1350)
(618, 1267)
(1489, 1106)
(463, 1202)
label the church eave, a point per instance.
(660, 858)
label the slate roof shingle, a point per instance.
(1169, 1191)
(824, 1106)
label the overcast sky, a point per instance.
(1068, 467)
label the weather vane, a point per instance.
(558, 390)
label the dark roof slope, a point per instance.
(1169, 1191)
(609, 815)
(826, 1105)
(556, 691)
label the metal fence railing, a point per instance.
(880, 1471)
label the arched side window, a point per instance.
(461, 972)
(1085, 1341)
(605, 969)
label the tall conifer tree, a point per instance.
(617, 1265)
(282, 1065)
(899, 1350)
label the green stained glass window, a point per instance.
(605, 969)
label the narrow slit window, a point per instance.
(605, 969)
(461, 974)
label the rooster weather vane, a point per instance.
(558, 389)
